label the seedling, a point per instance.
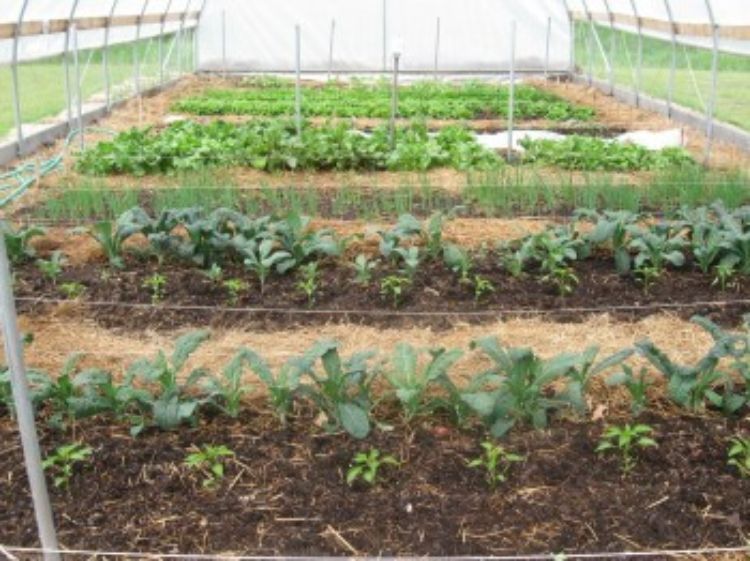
(637, 386)
(209, 461)
(72, 290)
(482, 288)
(739, 455)
(563, 278)
(393, 287)
(647, 275)
(308, 285)
(366, 466)
(363, 269)
(624, 441)
(215, 273)
(52, 268)
(156, 283)
(234, 288)
(496, 461)
(62, 461)
(724, 273)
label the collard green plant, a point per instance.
(262, 257)
(637, 386)
(612, 228)
(228, 391)
(413, 381)
(169, 402)
(363, 269)
(18, 242)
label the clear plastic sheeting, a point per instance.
(474, 35)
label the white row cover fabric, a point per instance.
(259, 35)
(52, 44)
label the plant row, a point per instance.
(439, 100)
(518, 387)
(711, 239)
(275, 145)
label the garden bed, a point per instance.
(284, 492)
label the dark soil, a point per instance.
(436, 298)
(284, 492)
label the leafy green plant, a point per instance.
(209, 461)
(482, 287)
(262, 257)
(624, 441)
(412, 382)
(283, 387)
(410, 260)
(72, 290)
(739, 455)
(308, 284)
(367, 465)
(52, 268)
(215, 273)
(234, 288)
(342, 391)
(227, 392)
(363, 269)
(170, 403)
(64, 459)
(496, 462)
(18, 242)
(156, 284)
(457, 260)
(612, 227)
(515, 388)
(636, 384)
(394, 287)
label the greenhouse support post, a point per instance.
(14, 77)
(394, 97)
(711, 105)
(330, 48)
(66, 63)
(572, 26)
(105, 57)
(639, 62)
(180, 37)
(196, 35)
(512, 88)
(673, 64)
(79, 93)
(298, 78)
(612, 46)
(136, 47)
(224, 43)
(24, 411)
(385, 34)
(546, 47)
(437, 47)
(161, 42)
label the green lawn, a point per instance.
(692, 76)
(42, 82)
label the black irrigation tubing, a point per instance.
(394, 313)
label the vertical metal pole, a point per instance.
(612, 46)
(673, 67)
(136, 47)
(224, 43)
(79, 94)
(512, 88)
(573, 38)
(14, 75)
(105, 57)
(330, 48)
(298, 78)
(589, 43)
(179, 39)
(394, 98)
(546, 47)
(711, 106)
(161, 42)
(385, 35)
(24, 412)
(196, 54)
(437, 48)
(66, 64)
(595, 38)
(639, 62)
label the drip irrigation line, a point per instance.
(393, 313)
(530, 557)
